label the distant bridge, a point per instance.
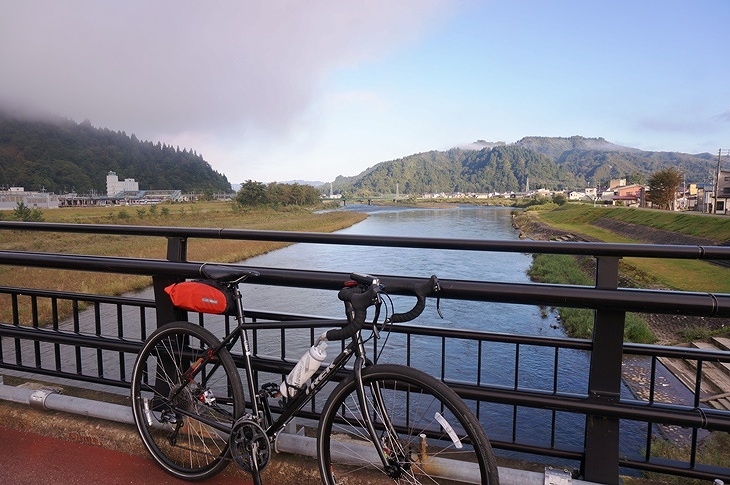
(366, 200)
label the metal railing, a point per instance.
(97, 344)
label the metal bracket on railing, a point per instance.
(38, 398)
(557, 477)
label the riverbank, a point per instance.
(668, 329)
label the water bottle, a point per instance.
(305, 368)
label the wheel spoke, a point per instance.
(426, 432)
(186, 431)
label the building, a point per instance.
(575, 195)
(629, 190)
(705, 198)
(9, 199)
(115, 186)
(722, 194)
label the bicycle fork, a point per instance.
(388, 456)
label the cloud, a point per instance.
(213, 68)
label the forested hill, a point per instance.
(64, 156)
(553, 163)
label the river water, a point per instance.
(536, 364)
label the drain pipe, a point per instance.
(50, 400)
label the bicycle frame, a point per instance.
(259, 405)
(375, 416)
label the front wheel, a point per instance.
(426, 432)
(185, 400)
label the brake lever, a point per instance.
(376, 332)
(437, 289)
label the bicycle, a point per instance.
(385, 420)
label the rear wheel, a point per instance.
(185, 422)
(427, 433)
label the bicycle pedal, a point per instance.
(272, 389)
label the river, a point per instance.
(535, 363)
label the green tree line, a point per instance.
(252, 194)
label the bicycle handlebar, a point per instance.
(364, 292)
(421, 290)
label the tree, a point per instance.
(21, 212)
(559, 198)
(24, 213)
(252, 193)
(663, 187)
(276, 194)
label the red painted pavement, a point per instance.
(28, 458)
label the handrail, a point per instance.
(602, 404)
(640, 301)
(523, 246)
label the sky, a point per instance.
(287, 90)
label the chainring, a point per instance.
(248, 439)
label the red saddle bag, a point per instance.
(202, 296)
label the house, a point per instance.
(705, 198)
(722, 194)
(574, 195)
(627, 190)
(628, 195)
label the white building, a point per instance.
(114, 185)
(10, 199)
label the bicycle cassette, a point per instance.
(250, 447)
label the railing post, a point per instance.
(602, 433)
(177, 250)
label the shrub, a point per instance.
(563, 269)
(24, 213)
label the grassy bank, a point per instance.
(712, 451)
(571, 216)
(677, 274)
(578, 322)
(210, 214)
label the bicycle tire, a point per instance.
(173, 431)
(420, 450)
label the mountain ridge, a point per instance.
(65, 156)
(555, 163)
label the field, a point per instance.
(209, 214)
